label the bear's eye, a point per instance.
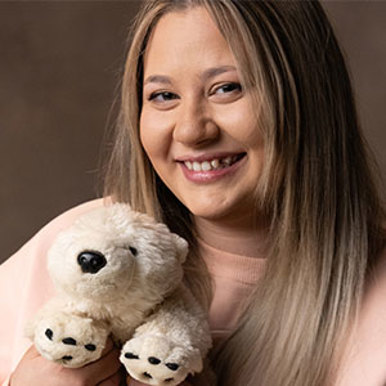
(133, 251)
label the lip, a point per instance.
(205, 177)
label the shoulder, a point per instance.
(365, 363)
(25, 285)
(24, 274)
(42, 240)
(374, 298)
(67, 218)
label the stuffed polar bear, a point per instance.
(119, 272)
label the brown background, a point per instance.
(60, 65)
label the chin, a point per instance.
(211, 213)
(225, 211)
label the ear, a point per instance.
(182, 247)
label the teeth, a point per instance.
(196, 166)
(227, 161)
(206, 166)
(215, 163)
(211, 165)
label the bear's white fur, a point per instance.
(119, 272)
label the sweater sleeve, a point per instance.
(25, 286)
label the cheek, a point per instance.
(154, 135)
(145, 129)
(241, 124)
(251, 131)
(148, 138)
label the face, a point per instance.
(198, 125)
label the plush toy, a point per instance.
(119, 273)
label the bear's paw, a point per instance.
(69, 340)
(157, 360)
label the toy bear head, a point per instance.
(114, 251)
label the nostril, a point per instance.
(91, 262)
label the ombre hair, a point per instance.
(316, 187)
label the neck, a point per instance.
(242, 236)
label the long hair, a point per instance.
(316, 185)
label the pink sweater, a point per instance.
(25, 286)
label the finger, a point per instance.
(114, 380)
(133, 382)
(108, 347)
(103, 368)
(32, 353)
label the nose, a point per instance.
(91, 262)
(195, 126)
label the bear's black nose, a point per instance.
(91, 262)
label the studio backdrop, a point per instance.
(60, 68)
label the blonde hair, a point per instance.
(316, 186)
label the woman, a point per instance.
(238, 129)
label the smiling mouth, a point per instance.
(213, 164)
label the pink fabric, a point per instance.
(25, 286)
(234, 278)
(365, 356)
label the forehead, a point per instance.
(186, 38)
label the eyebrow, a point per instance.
(207, 74)
(212, 72)
(157, 79)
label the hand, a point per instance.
(34, 370)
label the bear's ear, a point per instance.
(181, 247)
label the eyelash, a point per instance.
(168, 96)
(233, 85)
(155, 95)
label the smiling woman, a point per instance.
(198, 125)
(238, 129)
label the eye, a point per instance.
(162, 96)
(227, 88)
(133, 251)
